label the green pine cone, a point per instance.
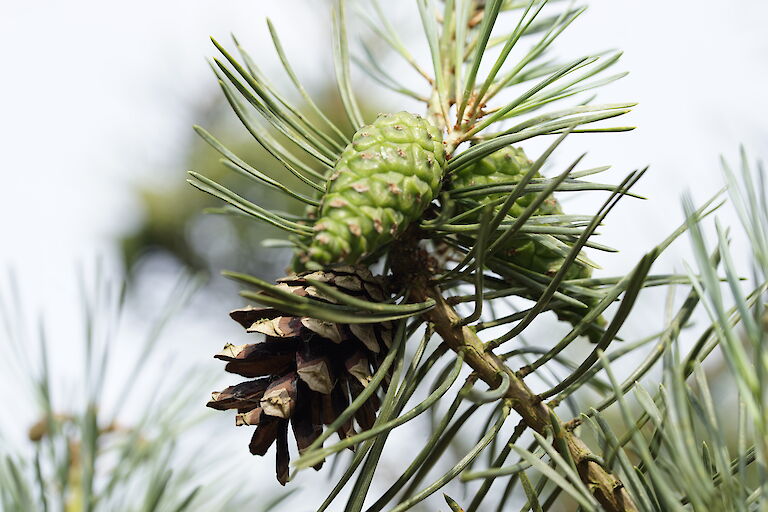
(384, 180)
(510, 164)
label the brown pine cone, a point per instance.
(306, 371)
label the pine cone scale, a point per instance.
(314, 368)
(241, 396)
(280, 397)
(264, 435)
(252, 417)
(259, 359)
(283, 457)
(307, 420)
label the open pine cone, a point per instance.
(305, 370)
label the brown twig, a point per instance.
(413, 265)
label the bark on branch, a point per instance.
(412, 266)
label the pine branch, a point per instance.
(412, 265)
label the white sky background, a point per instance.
(96, 96)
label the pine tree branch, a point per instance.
(607, 489)
(412, 265)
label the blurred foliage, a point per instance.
(87, 451)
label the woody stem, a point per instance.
(606, 488)
(411, 264)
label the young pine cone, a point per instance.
(506, 165)
(305, 371)
(511, 164)
(384, 180)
